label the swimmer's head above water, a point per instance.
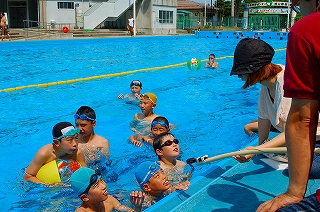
(85, 113)
(63, 130)
(136, 83)
(149, 96)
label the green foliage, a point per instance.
(298, 17)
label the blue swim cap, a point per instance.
(146, 170)
(80, 179)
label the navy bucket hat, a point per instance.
(250, 56)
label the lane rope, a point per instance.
(44, 85)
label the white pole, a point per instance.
(134, 18)
(205, 13)
(288, 14)
(232, 13)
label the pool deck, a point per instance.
(232, 186)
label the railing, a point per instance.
(92, 9)
(43, 29)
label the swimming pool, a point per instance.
(207, 106)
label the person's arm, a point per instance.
(300, 140)
(35, 165)
(135, 140)
(277, 141)
(105, 145)
(251, 127)
(133, 123)
(4, 23)
(263, 129)
(81, 158)
(147, 139)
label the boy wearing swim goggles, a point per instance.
(166, 146)
(154, 183)
(141, 121)
(158, 125)
(89, 142)
(92, 190)
(168, 150)
(136, 87)
(64, 146)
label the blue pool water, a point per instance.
(208, 107)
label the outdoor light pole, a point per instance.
(211, 14)
(288, 14)
(205, 13)
(134, 18)
(232, 13)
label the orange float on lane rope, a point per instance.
(65, 29)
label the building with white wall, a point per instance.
(152, 16)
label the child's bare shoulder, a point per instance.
(139, 116)
(111, 203)
(101, 141)
(151, 117)
(81, 209)
(46, 151)
(180, 163)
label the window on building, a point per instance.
(165, 17)
(65, 5)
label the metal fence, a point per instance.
(44, 29)
(266, 23)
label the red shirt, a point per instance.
(302, 75)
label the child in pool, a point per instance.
(212, 63)
(92, 190)
(136, 87)
(64, 146)
(158, 125)
(167, 148)
(154, 183)
(142, 121)
(94, 146)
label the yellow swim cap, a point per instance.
(150, 96)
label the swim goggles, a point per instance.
(154, 123)
(83, 117)
(296, 9)
(135, 83)
(153, 168)
(93, 180)
(70, 133)
(169, 143)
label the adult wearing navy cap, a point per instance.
(253, 64)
